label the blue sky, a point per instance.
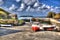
(51, 2)
(30, 7)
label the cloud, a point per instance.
(1, 2)
(29, 2)
(57, 7)
(36, 4)
(43, 5)
(28, 8)
(30, 5)
(38, 9)
(22, 7)
(51, 9)
(13, 7)
(48, 7)
(32, 10)
(18, 0)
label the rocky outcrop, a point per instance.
(57, 16)
(7, 18)
(53, 15)
(13, 16)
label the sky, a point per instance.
(30, 7)
(51, 2)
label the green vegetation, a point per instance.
(44, 21)
(21, 22)
(3, 21)
(7, 18)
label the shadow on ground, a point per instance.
(8, 31)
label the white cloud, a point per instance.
(28, 8)
(36, 4)
(18, 0)
(48, 7)
(57, 7)
(43, 5)
(29, 2)
(51, 9)
(1, 2)
(13, 7)
(32, 10)
(38, 9)
(22, 7)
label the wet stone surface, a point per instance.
(26, 34)
(7, 31)
(47, 35)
